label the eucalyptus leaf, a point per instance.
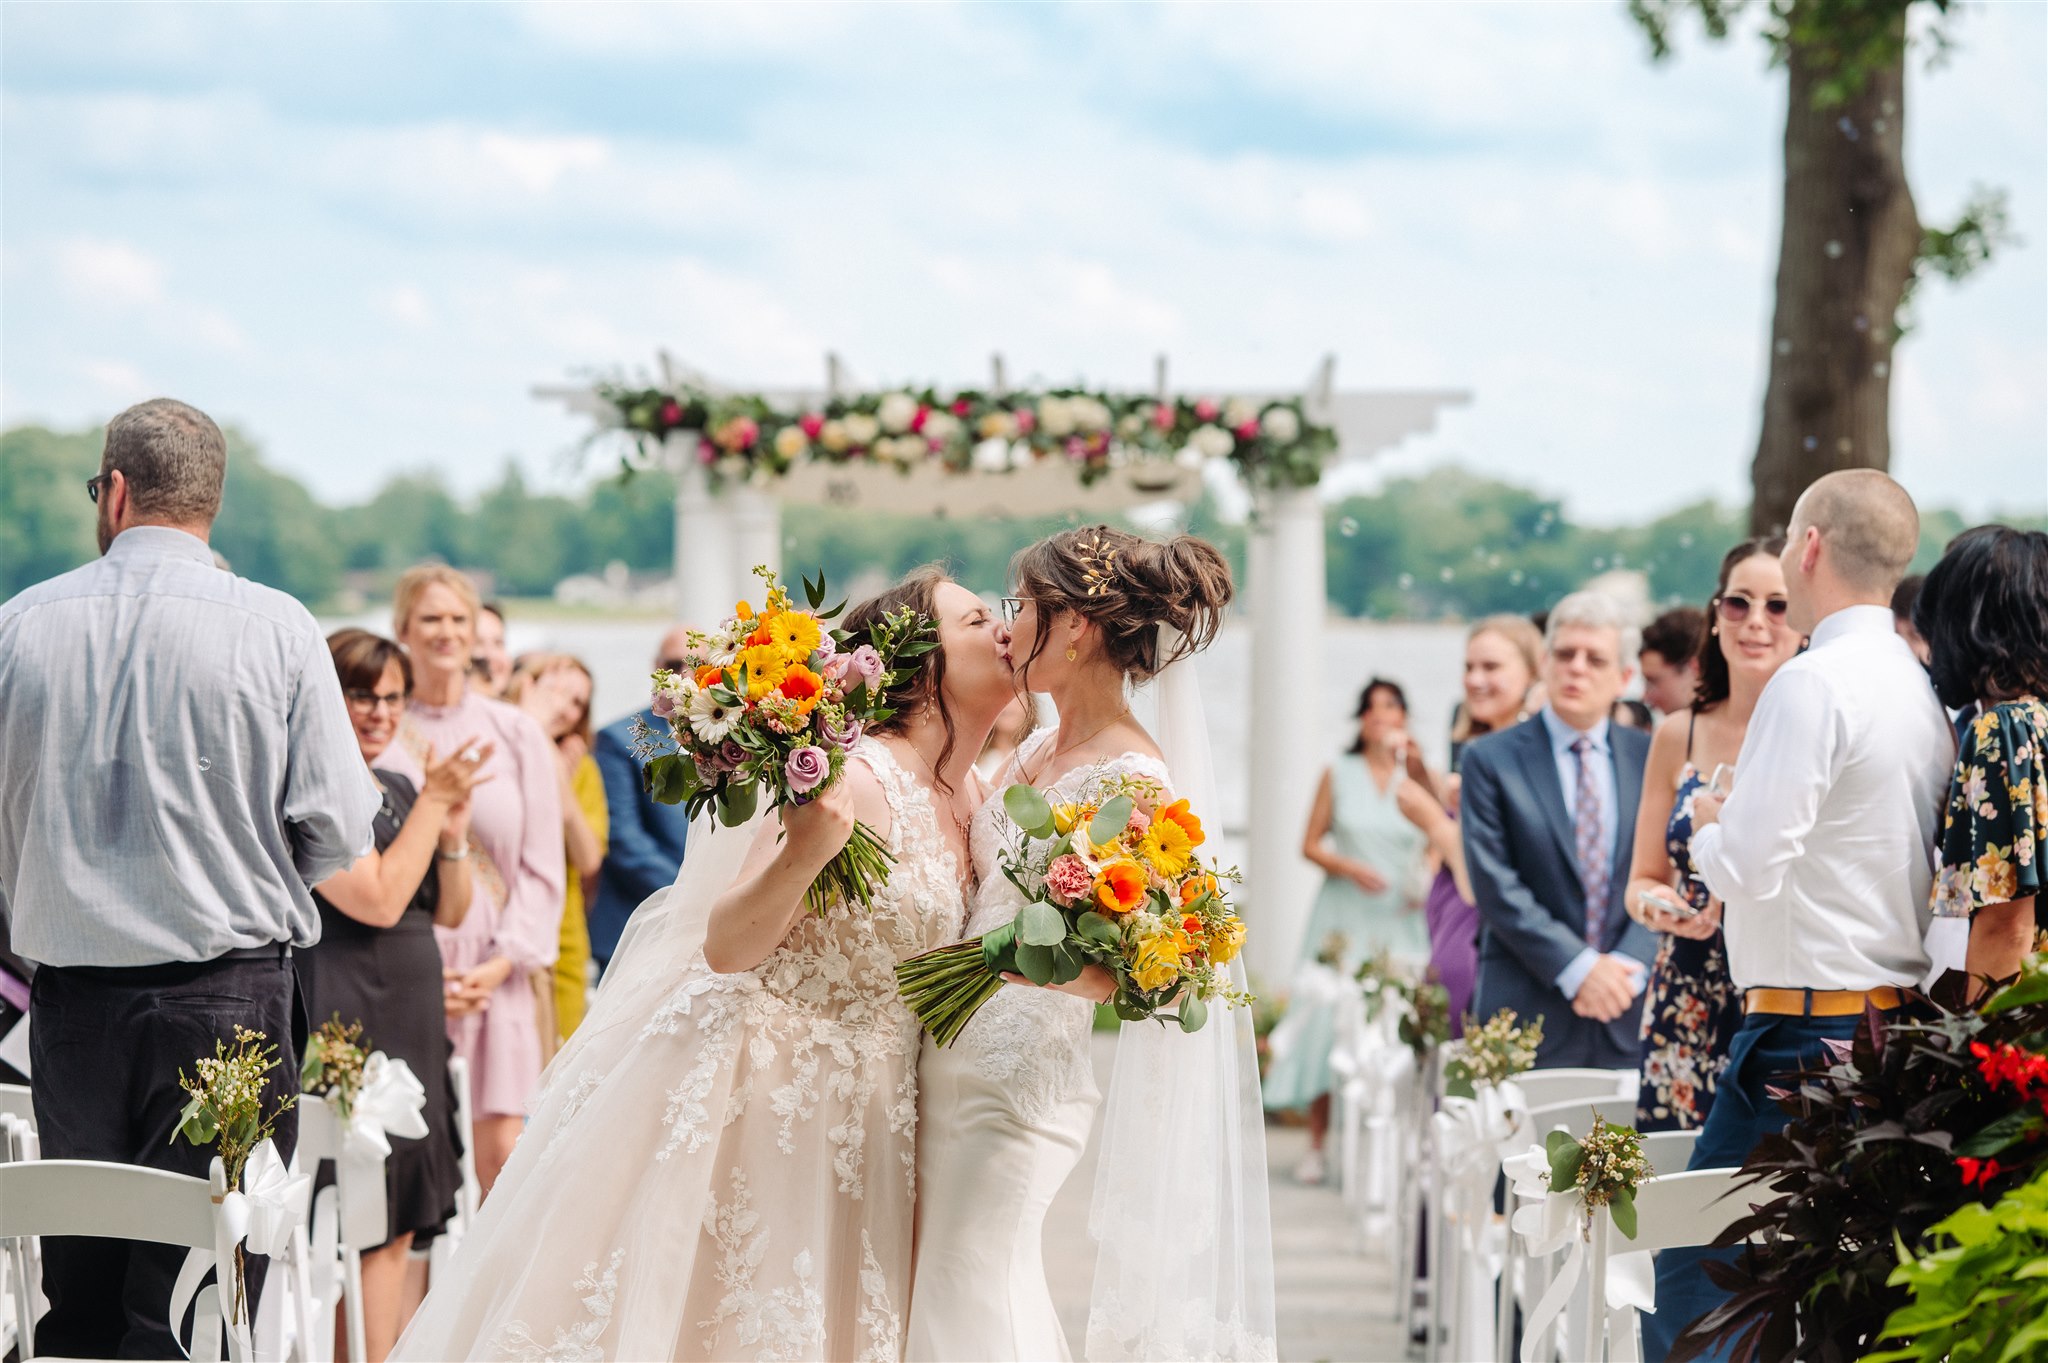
(1034, 963)
(672, 778)
(1028, 810)
(1459, 1086)
(1040, 924)
(1111, 820)
(1096, 928)
(1127, 1008)
(1623, 1209)
(1193, 1013)
(1067, 963)
(736, 803)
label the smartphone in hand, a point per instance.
(1667, 902)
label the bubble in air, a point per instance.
(1784, 346)
(1844, 444)
(1880, 369)
(1848, 127)
(1833, 250)
(1347, 527)
(1811, 443)
(1878, 126)
(1685, 540)
(1493, 560)
(1599, 564)
(1861, 323)
(1405, 581)
(206, 764)
(1448, 574)
(1620, 561)
(1515, 577)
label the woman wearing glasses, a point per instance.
(1693, 1006)
(377, 963)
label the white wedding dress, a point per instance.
(1004, 1115)
(719, 1166)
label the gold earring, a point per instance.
(1071, 655)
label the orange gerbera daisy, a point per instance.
(710, 676)
(802, 685)
(1178, 812)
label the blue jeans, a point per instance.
(1766, 1048)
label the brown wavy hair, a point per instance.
(919, 590)
(1127, 586)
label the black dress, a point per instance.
(389, 979)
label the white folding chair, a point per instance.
(1673, 1211)
(343, 1219)
(118, 1202)
(17, 1101)
(1558, 1086)
(470, 1195)
(24, 1264)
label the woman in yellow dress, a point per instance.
(555, 689)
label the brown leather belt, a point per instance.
(1821, 1003)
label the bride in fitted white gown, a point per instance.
(1184, 1244)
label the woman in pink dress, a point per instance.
(504, 951)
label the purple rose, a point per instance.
(664, 704)
(867, 664)
(827, 646)
(806, 768)
(731, 754)
(843, 734)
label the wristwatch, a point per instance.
(463, 855)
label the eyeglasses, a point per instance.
(1011, 606)
(93, 486)
(1734, 607)
(670, 665)
(369, 701)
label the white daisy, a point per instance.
(711, 718)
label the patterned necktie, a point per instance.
(1592, 848)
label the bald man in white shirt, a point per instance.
(1822, 854)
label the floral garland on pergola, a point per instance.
(1272, 443)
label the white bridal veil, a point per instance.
(1185, 1264)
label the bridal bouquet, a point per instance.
(1103, 882)
(771, 700)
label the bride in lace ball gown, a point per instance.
(1007, 1109)
(720, 1164)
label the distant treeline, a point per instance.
(1445, 543)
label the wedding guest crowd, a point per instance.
(498, 963)
(1692, 1010)
(646, 836)
(554, 689)
(179, 770)
(1670, 659)
(1548, 812)
(376, 963)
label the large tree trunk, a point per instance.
(1847, 249)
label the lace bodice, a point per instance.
(1034, 1041)
(845, 962)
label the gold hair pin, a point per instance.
(1098, 565)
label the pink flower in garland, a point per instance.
(671, 414)
(812, 423)
(1205, 409)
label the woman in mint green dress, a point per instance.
(1366, 832)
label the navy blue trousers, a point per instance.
(1765, 1049)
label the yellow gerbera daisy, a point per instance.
(1166, 846)
(765, 666)
(795, 633)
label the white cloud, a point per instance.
(110, 273)
(406, 304)
(537, 163)
(118, 380)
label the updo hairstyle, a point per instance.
(1127, 586)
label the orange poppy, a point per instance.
(1179, 813)
(1194, 887)
(802, 685)
(1120, 887)
(710, 676)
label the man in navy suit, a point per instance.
(647, 836)
(1549, 824)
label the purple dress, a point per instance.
(515, 835)
(1453, 943)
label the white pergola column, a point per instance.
(1286, 568)
(703, 554)
(754, 528)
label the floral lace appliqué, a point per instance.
(572, 1343)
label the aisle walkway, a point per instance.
(1334, 1300)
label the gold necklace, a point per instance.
(960, 825)
(1066, 748)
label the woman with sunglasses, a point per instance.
(377, 964)
(1693, 1007)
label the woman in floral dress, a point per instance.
(1693, 1008)
(720, 1164)
(1984, 613)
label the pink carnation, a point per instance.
(1140, 821)
(1067, 879)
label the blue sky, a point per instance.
(363, 232)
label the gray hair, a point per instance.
(1596, 610)
(174, 459)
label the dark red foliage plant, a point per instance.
(1940, 1105)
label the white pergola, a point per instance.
(723, 531)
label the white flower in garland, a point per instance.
(1238, 412)
(1281, 425)
(1212, 441)
(790, 442)
(992, 456)
(1088, 413)
(861, 428)
(997, 426)
(833, 436)
(1055, 418)
(941, 428)
(897, 411)
(711, 719)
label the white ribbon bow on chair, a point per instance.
(262, 1213)
(391, 1102)
(1470, 1133)
(1549, 1222)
